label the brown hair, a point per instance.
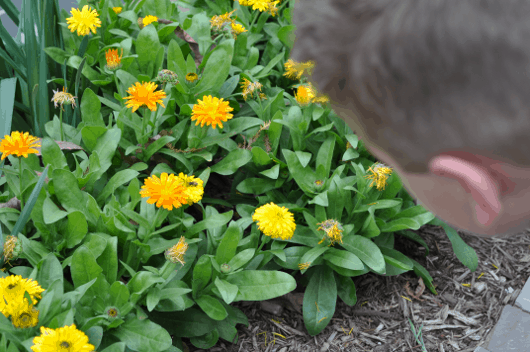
(424, 77)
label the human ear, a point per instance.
(475, 179)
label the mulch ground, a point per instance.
(460, 318)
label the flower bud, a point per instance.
(225, 268)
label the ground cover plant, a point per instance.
(114, 235)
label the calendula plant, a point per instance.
(199, 174)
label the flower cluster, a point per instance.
(170, 191)
(274, 221)
(249, 88)
(218, 24)
(13, 303)
(380, 174)
(211, 111)
(19, 144)
(333, 231)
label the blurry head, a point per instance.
(437, 89)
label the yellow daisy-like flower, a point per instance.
(65, 339)
(63, 98)
(83, 21)
(261, 5)
(113, 60)
(18, 144)
(333, 231)
(294, 70)
(117, 9)
(211, 111)
(176, 253)
(194, 188)
(303, 266)
(305, 94)
(273, 10)
(12, 248)
(246, 2)
(168, 191)
(237, 29)
(191, 77)
(23, 314)
(274, 221)
(144, 94)
(249, 88)
(380, 174)
(12, 288)
(149, 19)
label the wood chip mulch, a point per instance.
(460, 318)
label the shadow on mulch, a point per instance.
(460, 318)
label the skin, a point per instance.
(484, 195)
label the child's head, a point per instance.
(439, 90)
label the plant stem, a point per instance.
(61, 122)
(254, 20)
(20, 179)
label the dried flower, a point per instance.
(218, 22)
(144, 94)
(12, 248)
(294, 70)
(380, 174)
(303, 266)
(249, 88)
(63, 98)
(176, 253)
(333, 231)
(83, 21)
(274, 221)
(211, 111)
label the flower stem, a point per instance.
(254, 19)
(20, 179)
(61, 122)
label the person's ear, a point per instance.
(475, 179)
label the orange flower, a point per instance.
(144, 94)
(19, 144)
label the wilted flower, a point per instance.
(274, 221)
(83, 21)
(62, 98)
(211, 111)
(113, 60)
(144, 94)
(12, 248)
(18, 144)
(218, 22)
(176, 253)
(249, 88)
(380, 174)
(67, 338)
(295, 70)
(333, 231)
(303, 266)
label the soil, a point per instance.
(460, 317)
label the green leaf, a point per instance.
(312, 255)
(90, 135)
(108, 260)
(346, 289)
(417, 213)
(367, 251)
(206, 341)
(143, 335)
(91, 109)
(226, 289)
(344, 259)
(325, 156)
(51, 212)
(241, 258)
(304, 176)
(232, 162)
(254, 185)
(293, 257)
(52, 154)
(202, 273)
(84, 267)
(260, 157)
(400, 224)
(217, 67)
(147, 46)
(396, 258)
(76, 230)
(157, 145)
(140, 282)
(67, 190)
(213, 221)
(273, 172)
(261, 285)
(228, 246)
(212, 307)
(320, 299)
(464, 253)
(424, 274)
(228, 87)
(120, 178)
(192, 322)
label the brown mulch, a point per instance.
(459, 318)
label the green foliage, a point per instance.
(98, 247)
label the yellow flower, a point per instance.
(219, 21)
(261, 5)
(168, 191)
(237, 29)
(12, 288)
(211, 111)
(194, 188)
(144, 94)
(117, 9)
(305, 94)
(64, 339)
(63, 98)
(176, 253)
(113, 60)
(274, 221)
(249, 88)
(18, 144)
(303, 266)
(333, 230)
(23, 314)
(246, 2)
(12, 248)
(272, 7)
(380, 174)
(149, 19)
(83, 21)
(294, 70)
(348, 145)
(191, 77)
(319, 183)
(262, 96)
